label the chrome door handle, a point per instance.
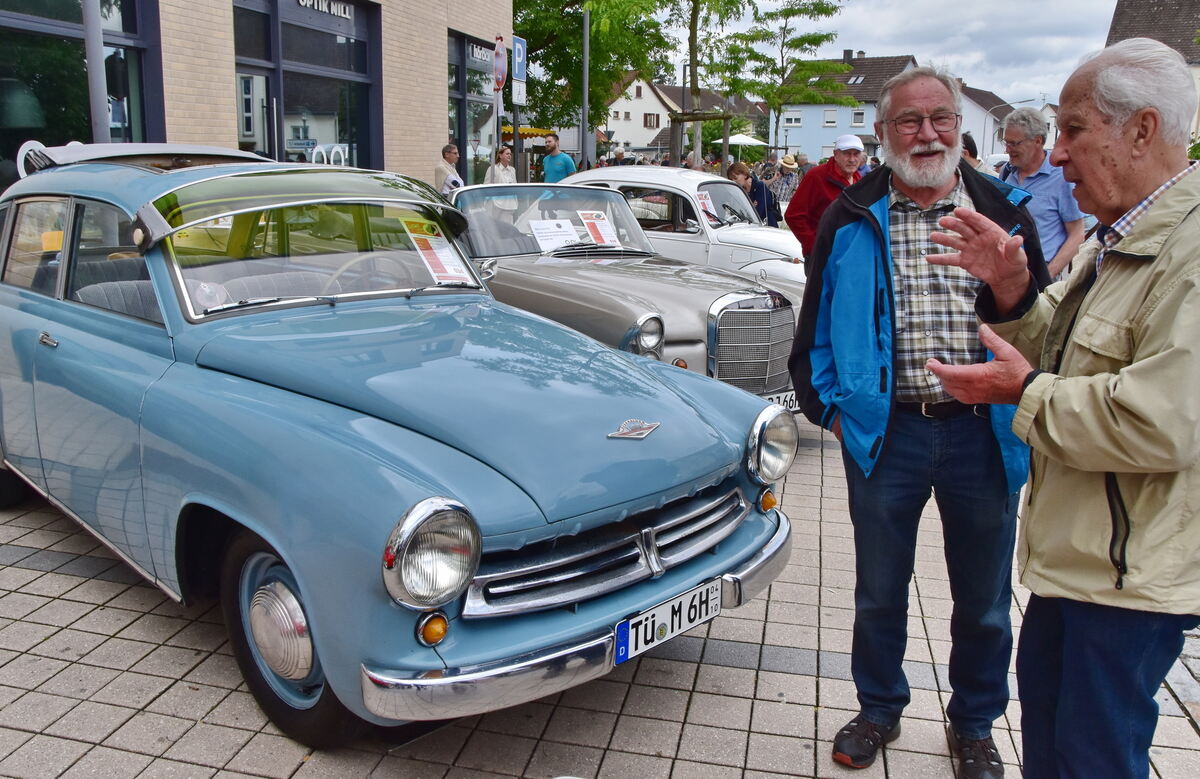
(45, 338)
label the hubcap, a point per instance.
(280, 631)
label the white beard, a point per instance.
(924, 174)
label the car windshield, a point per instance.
(319, 251)
(724, 202)
(532, 219)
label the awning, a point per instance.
(526, 132)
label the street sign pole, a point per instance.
(500, 76)
(518, 101)
(586, 149)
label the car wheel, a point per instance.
(13, 489)
(271, 639)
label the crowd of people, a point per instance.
(937, 350)
(964, 340)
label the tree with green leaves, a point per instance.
(767, 60)
(705, 21)
(625, 35)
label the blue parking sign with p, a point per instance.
(518, 58)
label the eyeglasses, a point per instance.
(942, 122)
(1015, 144)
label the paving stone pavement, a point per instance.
(102, 675)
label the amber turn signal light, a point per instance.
(432, 628)
(679, 362)
(768, 501)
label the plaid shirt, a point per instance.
(935, 304)
(1110, 236)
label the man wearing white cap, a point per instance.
(821, 186)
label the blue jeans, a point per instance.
(959, 462)
(1087, 675)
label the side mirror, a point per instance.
(691, 226)
(487, 269)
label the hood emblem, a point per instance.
(634, 428)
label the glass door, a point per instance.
(258, 130)
(325, 120)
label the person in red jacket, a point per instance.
(821, 186)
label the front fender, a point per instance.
(324, 486)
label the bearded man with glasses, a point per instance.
(874, 312)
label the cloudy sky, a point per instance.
(1018, 49)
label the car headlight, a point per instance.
(650, 334)
(432, 554)
(774, 439)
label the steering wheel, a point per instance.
(406, 273)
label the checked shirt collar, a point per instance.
(1111, 236)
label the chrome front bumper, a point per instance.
(462, 692)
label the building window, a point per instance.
(830, 117)
(637, 91)
(247, 105)
(856, 79)
(794, 121)
(858, 118)
(473, 121)
(627, 116)
(44, 81)
(650, 121)
(616, 114)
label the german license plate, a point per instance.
(785, 399)
(667, 620)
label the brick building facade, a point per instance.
(378, 83)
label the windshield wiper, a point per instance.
(408, 293)
(264, 301)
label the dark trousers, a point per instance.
(1087, 675)
(958, 461)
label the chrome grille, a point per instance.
(558, 573)
(753, 345)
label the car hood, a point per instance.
(532, 399)
(760, 237)
(582, 293)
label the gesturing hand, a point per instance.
(995, 381)
(985, 251)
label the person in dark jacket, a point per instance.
(820, 187)
(760, 196)
(874, 311)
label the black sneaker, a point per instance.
(857, 744)
(977, 758)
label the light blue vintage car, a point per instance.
(286, 386)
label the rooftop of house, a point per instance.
(988, 101)
(1173, 22)
(867, 75)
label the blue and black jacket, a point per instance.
(842, 361)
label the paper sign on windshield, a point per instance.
(598, 227)
(552, 233)
(707, 205)
(442, 261)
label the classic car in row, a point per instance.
(287, 387)
(702, 218)
(577, 255)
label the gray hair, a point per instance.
(1142, 73)
(900, 79)
(1029, 121)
